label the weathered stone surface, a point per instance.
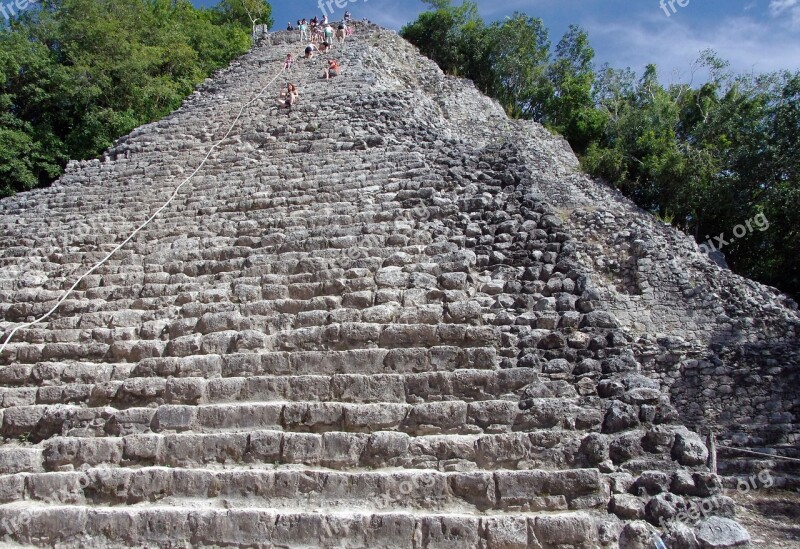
(637, 535)
(627, 507)
(681, 535)
(717, 532)
(374, 321)
(689, 449)
(566, 530)
(662, 508)
(620, 417)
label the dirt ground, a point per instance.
(771, 516)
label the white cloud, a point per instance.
(749, 45)
(784, 8)
(755, 40)
(779, 6)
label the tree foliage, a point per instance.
(77, 74)
(518, 51)
(444, 33)
(248, 13)
(710, 158)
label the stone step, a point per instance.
(210, 366)
(276, 288)
(27, 353)
(336, 271)
(150, 525)
(394, 200)
(340, 193)
(21, 459)
(734, 466)
(188, 268)
(391, 336)
(551, 450)
(291, 488)
(340, 336)
(59, 373)
(466, 385)
(453, 417)
(294, 230)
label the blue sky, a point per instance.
(754, 35)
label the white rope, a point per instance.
(773, 456)
(143, 225)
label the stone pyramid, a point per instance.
(390, 317)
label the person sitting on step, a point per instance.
(310, 49)
(289, 27)
(332, 70)
(288, 97)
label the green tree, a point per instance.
(77, 74)
(248, 13)
(30, 89)
(445, 34)
(768, 161)
(519, 52)
(572, 111)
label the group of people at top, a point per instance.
(321, 34)
(320, 31)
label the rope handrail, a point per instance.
(745, 451)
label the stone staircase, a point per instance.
(360, 325)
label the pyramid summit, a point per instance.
(389, 316)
